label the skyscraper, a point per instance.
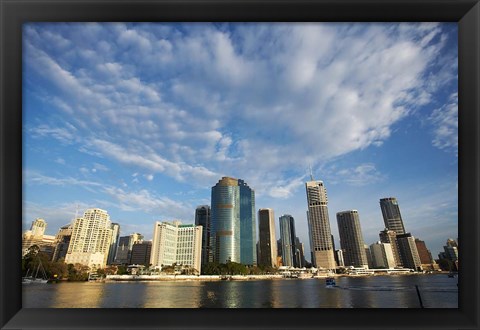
(124, 248)
(114, 244)
(382, 255)
(391, 215)
(91, 238)
(233, 222)
(408, 251)
(287, 238)
(267, 244)
(319, 225)
(202, 218)
(141, 252)
(351, 239)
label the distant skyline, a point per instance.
(143, 119)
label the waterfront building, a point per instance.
(114, 244)
(382, 255)
(62, 241)
(339, 258)
(141, 252)
(351, 239)
(300, 253)
(267, 244)
(408, 251)
(389, 236)
(391, 215)
(233, 222)
(287, 238)
(36, 236)
(124, 248)
(451, 250)
(423, 252)
(91, 238)
(319, 225)
(203, 218)
(174, 243)
(369, 256)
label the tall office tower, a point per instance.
(423, 252)
(351, 239)
(451, 250)
(300, 253)
(62, 240)
(389, 236)
(382, 255)
(391, 215)
(287, 238)
(408, 251)
(141, 252)
(124, 248)
(91, 238)
(114, 244)
(177, 243)
(248, 225)
(319, 225)
(202, 218)
(267, 244)
(233, 232)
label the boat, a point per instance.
(330, 282)
(36, 279)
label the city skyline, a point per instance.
(125, 118)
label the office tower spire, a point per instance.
(319, 225)
(391, 215)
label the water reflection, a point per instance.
(376, 292)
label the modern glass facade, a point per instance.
(233, 222)
(202, 218)
(287, 239)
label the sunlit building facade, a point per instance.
(319, 226)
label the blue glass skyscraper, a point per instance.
(287, 238)
(233, 225)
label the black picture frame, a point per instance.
(16, 12)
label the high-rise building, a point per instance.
(62, 241)
(287, 238)
(36, 236)
(114, 244)
(299, 253)
(351, 239)
(233, 222)
(339, 258)
(124, 248)
(202, 218)
(423, 252)
(408, 251)
(267, 244)
(141, 252)
(91, 238)
(389, 236)
(391, 215)
(177, 243)
(319, 225)
(368, 253)
(382, 255)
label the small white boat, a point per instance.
(35, 279)
(330, 282)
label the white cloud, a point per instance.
(445, 122)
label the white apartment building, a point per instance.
(91, 238)
(176, 243)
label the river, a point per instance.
(436, 291)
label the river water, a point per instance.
(436, 291)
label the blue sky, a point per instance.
(143, 119)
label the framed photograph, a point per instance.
(167, 164)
